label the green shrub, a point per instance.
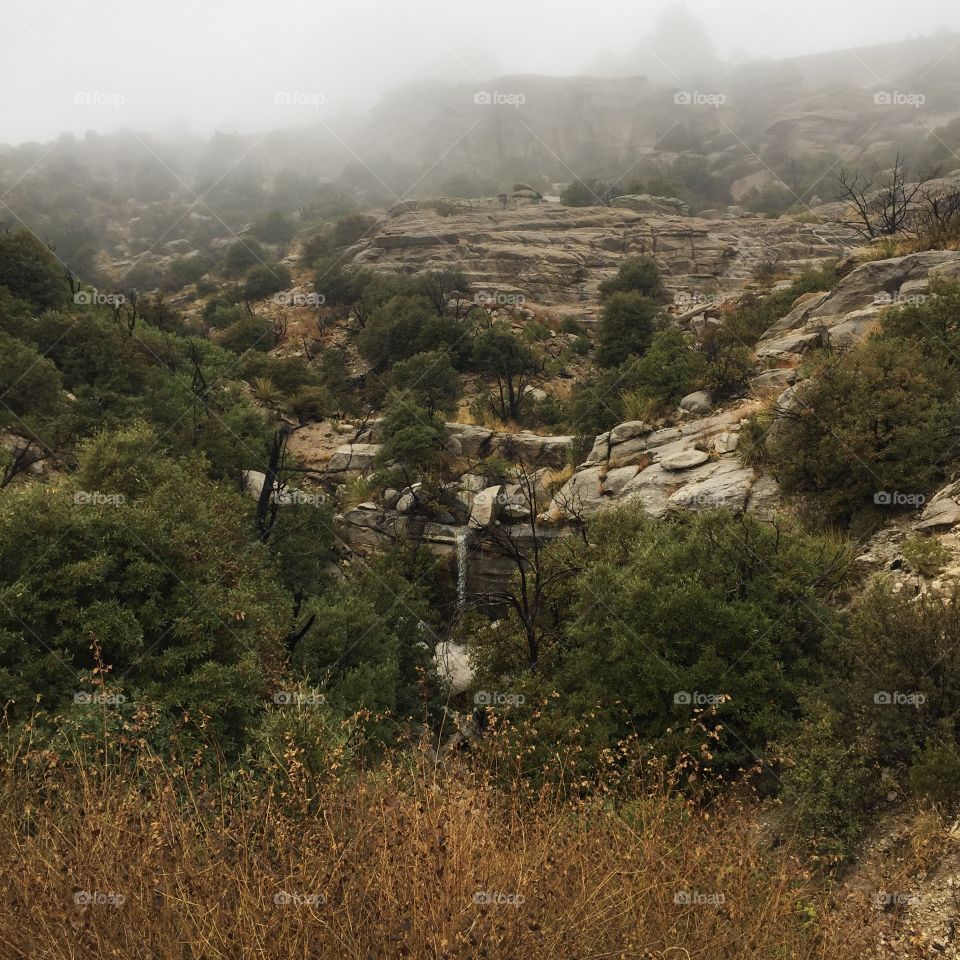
(30, 271)
(925, 555)
(626, 327)
(250, 332)
(829, 786)
(264, 281)
(636, 275)
(935, 773)
(877, 419)
(243, 254)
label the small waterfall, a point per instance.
(463, 560)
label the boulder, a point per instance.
(942, 512)
(353, 457)
(778, 379)
(628, 431)
(684, 460)
(454, 666)
(474, 441)
(727, 487)
(700, 403)
(486, 506)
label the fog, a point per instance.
(192, 66)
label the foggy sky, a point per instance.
(190, 66)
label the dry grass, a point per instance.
(408, 860)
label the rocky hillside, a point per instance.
(556, 256)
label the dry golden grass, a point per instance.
(408, 860)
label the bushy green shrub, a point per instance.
(875, 420)
(636, 275)
(626, 327)
(30, 271)
(264, 281)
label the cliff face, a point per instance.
(556, 256)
